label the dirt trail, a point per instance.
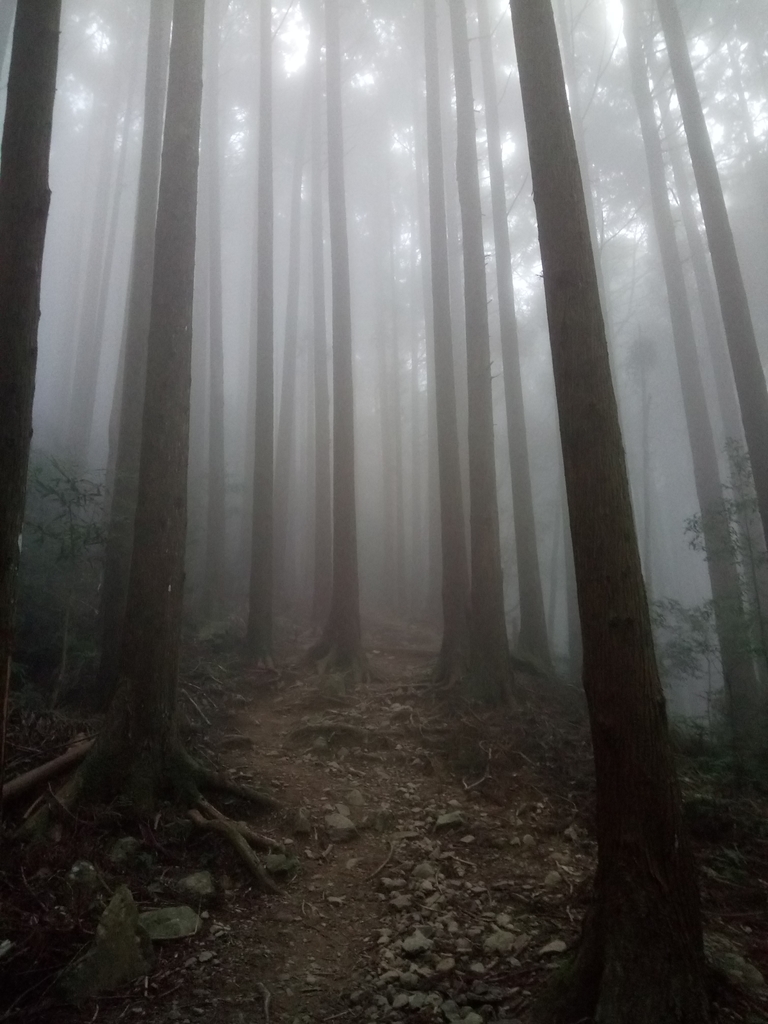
(439, 904)
(439, 856)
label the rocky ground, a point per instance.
(433, 862)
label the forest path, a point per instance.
(483, 868)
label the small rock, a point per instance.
(351, 863)
(198, 884)
(450, 820)
(302, 825)
(528, 841)
(500, 942)
(408, 979)
(446, 965)
(473, 1018)
(424, 870)
(477, 967)
(84, 875)
(400, 1000)
(725, 956)
(205, 956)
(553, 879)
(450, 1010)
(417, 1000)
(417, 943)
(320, 743)
(355, 798)
(400, 902)
(124, 850)
(170, 923)
(555, 946)
(340, 828)
(467, 839)
(279, 864)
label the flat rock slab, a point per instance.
(340, 828)
(170, 923)
(198, 884)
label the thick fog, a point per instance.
(94, 170)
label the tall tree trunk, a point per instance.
(286, 416)
(260, 611)
(641, 954)
(7, 13)
(738, 669)
(341, 644)
(454, 649)
(322, 546)
(24, 201)
(533, 624)
(489, 653)
(739, 331)
(89, 342)
(130, 389)
(215, 538)
(139, 752)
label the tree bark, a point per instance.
(454, 649)
(215, 536)
(732, 630)
(532, 638)
(24, 202)
(322, 546)
(285, 456)
(139, 754)
(489, 654)
(739, 330)
(260, 611)
(641, 953)
(129, 390)
(341, 644)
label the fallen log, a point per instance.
(22, 784)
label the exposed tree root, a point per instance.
(228, 828)
(328, 657)
(213, 780)
(257, 841)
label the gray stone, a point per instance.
(725, 956)
(451, 820)
(198, 884)
(417, 943)
(417, 1000)
(400, 1000)
(555, 946)
(450, 1010)
(553, 879)
(446, 965)
(302, 826)
(529, 841)
(170, 923)
(124, 850)
(401, 902)
(424, 870)
(84, 875)
(279, 864)
(408, 979)
(473, 1018)
(355, 798)
(499, 942)
(340, 828)
(120, 953)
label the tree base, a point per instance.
(328, 657)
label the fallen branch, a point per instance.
(45, 772)
(257, 841)
(383, 864)
(267, 999)
(246, 854)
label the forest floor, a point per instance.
(439, 856)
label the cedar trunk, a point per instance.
(454, 648)
(488, 650)
(641, 958)
(139, 752)
(739, 330)
(129, 389)
(24, 201)
(262, 576)
(532, 638)
(340, 642)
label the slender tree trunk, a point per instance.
(260, 610)
(119, 541)
(739, 331)
(454, 650)
(215, 541)
(533, 624)
(489, 653)
(139, 752)
(89, 343)
(322, 547)
(7, 13)
(738, 668)
(286, 417)
(641, 957)
(24, 201)
(340, 644)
